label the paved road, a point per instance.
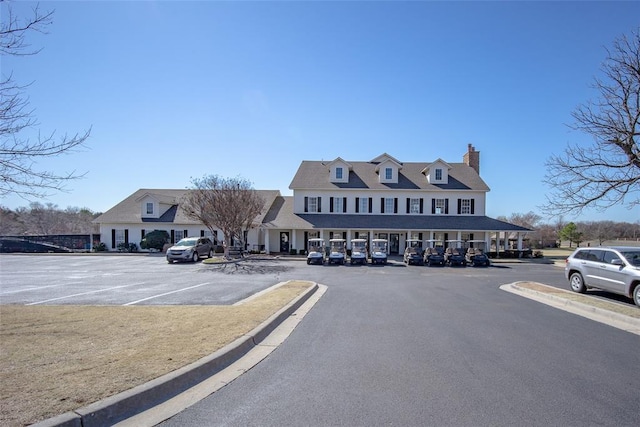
(418, 346)
(390, 345)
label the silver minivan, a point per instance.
(613, 269)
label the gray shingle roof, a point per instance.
(314, 175)
(129, 210)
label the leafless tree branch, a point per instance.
(606, 173)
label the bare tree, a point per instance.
(228, 204)
(19, 153)
(606, 173)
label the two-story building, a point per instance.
(438, 202)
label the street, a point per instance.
(386, 345)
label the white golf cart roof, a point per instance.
(359, 240)
(379, 240)
(316, 239)
(337, 240)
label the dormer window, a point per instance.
(338, 173)
(438, 174)
(149, 208)
(388, 174)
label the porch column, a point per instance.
(520, 241)
(349, 239)
(322, 233)
(293, 240)
(266, 241)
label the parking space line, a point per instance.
(167, 293)
(84, 293)
(17, 291)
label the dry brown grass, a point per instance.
(54, 359)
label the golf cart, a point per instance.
(476, 256)
(379, 251)
(455, 254)
(358, 251)
(316, 252)
(337, 251)
(413, 252)
(434, 256)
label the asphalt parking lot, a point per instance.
(149, 280)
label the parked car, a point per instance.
(337, 251)
(379, 251)
(190, 249)
(455, 256)
(433, 256)
(315, 251)
(477, 257)
(358, 251)
(413, 252)
(613, 269)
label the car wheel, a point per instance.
(169, 261)
(636, 295)
(577, 284)
(308, 261)
(195, 257)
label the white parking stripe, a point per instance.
(84, 293)
(166, 293)
(16, 291)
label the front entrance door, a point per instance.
(284, 241)
(394, 243)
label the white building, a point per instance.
(439, 202)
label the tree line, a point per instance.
(47, 219)
(573, 232)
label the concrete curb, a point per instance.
(621, 321)
(131, 402)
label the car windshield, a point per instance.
(187, 242)
(633, 257)
(314, 247)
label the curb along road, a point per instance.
(127, 404)
(598, 314)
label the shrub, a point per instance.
(100, 247)
(127, 247)
(155, 239)
(293, 252)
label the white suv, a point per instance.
(614, 269)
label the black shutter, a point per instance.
(433, 206)
(473, 207)
(201, 233)
(113, 238)
(330, 204)
(319, 204)
(306, 240)
(395, 205)
(173, 236)
(357, 204)
(344, 205)
(142, 234)
(421, 205)
(446, 206)
(459, 206)
(420, 236)
(381, 204)
(408, 204)
(370, 204)
(344, 235)
(306, 204)
(185, 232)
(126, 236)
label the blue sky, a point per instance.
(178, 90)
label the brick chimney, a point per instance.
(472, 158)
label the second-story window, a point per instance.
(389, 205)
(465, 207)
(313, 204)
(338, 204)
(438, 174)
(388, 173)
(440, 206)
(338, 173)
(364, 205)
(414, 206)
(149, 208)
